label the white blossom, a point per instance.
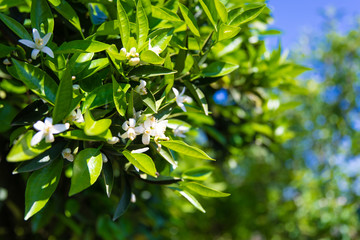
(46, 130)
(130, 130)
(180, 98)
(6, 61)
(157, 50)
(66, 153)
(134, 61)
(180, 130)
(140, 150)
(38, 45)
(141, 88)
(113, 140)
(104, 158)
(133, 57)
(76, 116)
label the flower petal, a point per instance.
(182, 106)
(28, 43)
(36, 34)
(176, 92)
(132, 122)
(48, 51)
(46, 38)
(125, 126)
(140, 150)
(39, 125)
(182, 92)
(34, 53)
(48, 121)
(37, 138)
(124, 135)
(145, 139)
(49, 138)
(58, 128)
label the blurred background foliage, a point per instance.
(286, 149)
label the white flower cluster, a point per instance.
(132, 56)
(151, 127)
(141, 88)
(39, 44)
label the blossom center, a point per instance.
(39, 42)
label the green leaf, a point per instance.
(81, 136)
(81, 46)
(164, 14)
(206, 6)
(218, 69)
(41, 160)
(63, 98)
(65, 9)
(79, 62)
(86, 170)
(31, 113)
(99, 97)
(185, 149)
(221, 10)
(108, 175)
(161, 37)
(151, 57)
(119, 95)
(227, 32)
(41, 17)
(149, 100)
(15, 26)
(247, 15)
(124, 24)
(145, 71)
(95, 128)
(108, 28)
(40, 186)
(5, 50)
(198, 95)
(124, 200)
(165, 154)
(35, 79)
(192, 200)
(198, 174)
(189, 19)
(94, 67)
(203, 190)
(142, 162)
(161, 180)
(22, 150)
(142, 25)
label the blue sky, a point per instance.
(293, 17)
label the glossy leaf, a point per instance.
(151, 57)
(227, 32)
(40, 186)
(124, 24)
(35, 79)
(81, 46)
(5, 50)
(192, 200)
(80, 135)
(16, 27)
(198, 174)
(161, 180)
(108, 28)
(218, 69)
(150, 71)
(94, 67)
(142, 162)
(119, 95)
(95, 128)
(142, 25)
(247, 15)
(99, 97)
(203, 190)
(41, 17)
(185, 149)
(124, 200)
(63, 98)
(31, 113)
(41, 160)
(206, 6)
(165, 154)
(86, 170)
(149, 101)
(108, 175)
(223, 14)
(165, 14)
(161, 37)
(190, 20)
(22, 150)
(67, 12)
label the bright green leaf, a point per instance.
(119, 95)
(185, 149)
(142, 162)
(95, 128)
(218, 69)
(124, 24)
(151, 57)
(189, 19)
(15, 26)
(203, 190)
(247, 15)
(198, 174)
(81, 46)
(41, 16)
(63, 98)
(142, 25)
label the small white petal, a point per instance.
(182, 106)
(39, 125)
(28, 43)
(176, 92)
(35, 53)
(142, 84)
(134, 61)
(48, 51)
(58, 128)
(46, 38)
(36, 34)
(66, 150)
(49, 138)
(113, 140)
(37, 138)
(182, 92)
(125, 126)
(132, 122)
(48, 121)
(139, 129)
(124, 135)
(146, 139)
(140, 150)
(104, 158)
